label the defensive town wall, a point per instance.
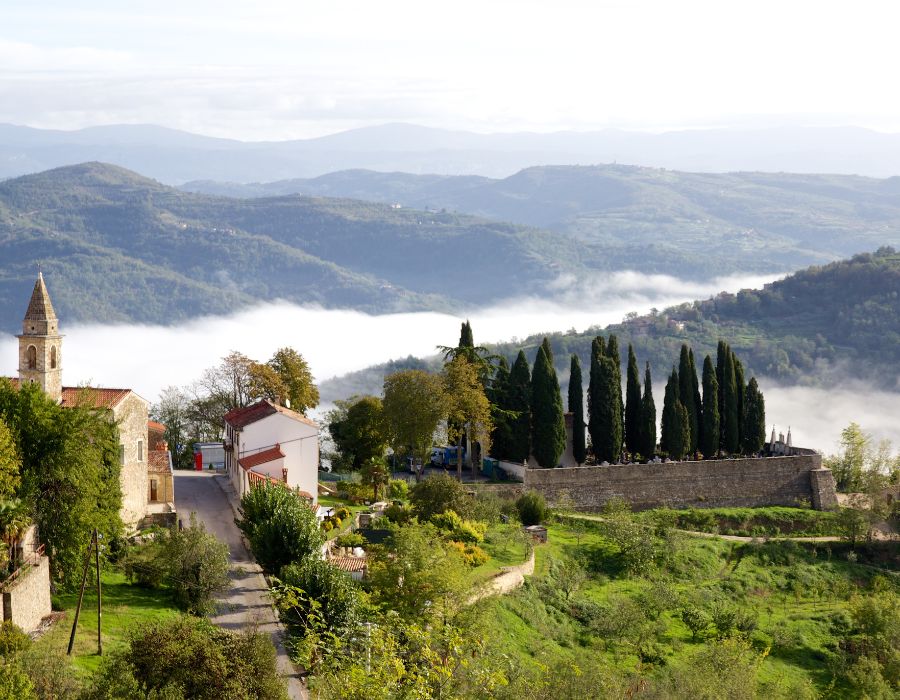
(770, 481)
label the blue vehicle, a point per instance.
(445, 456)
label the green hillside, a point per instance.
(690, 225)
(122, 247)
(815, 326)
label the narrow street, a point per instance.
(247, 602)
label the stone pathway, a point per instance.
(247, 604)
(511, 578)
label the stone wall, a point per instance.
(708, 484)
(131, 416)
(26, 600)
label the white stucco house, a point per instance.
(269, 442)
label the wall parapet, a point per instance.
(743, 482)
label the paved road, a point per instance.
(247, 602)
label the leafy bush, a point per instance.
(438, 494)
(455, 528)
(399, 490)
(145, 563)
(189, 658)
(532, 508)
(696, 620)
(342, 513)
(350, 539)
(332, 592)
(281, 528)
(398, 514)
(355, 493)
(12, 639)
(471, 554)
(327, 525)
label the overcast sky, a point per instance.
(274, 69)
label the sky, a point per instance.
(279, 69)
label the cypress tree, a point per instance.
(686, 396)
(548, 426)
(576, 408)
(632, 405)
(721, 351)
(730, 419)
(547, 349)
(594, 427)
(519, 406)
(669, 415)
(466, 338)
(648, 418)
(680, 432)
(741, 389)
(608, 443)
(612, 352)
(754, 432)
(698, 401)
(498, 395)
(709, 444)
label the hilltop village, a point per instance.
(469, 491)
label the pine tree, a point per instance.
(754, 432)
(498, 395)
(730, 419)
(686, 396)
(669, 415)
(648, 418)
(608, 442)
(548, 426)
(576, 408)
(519, 406)
(698, 402)
(710, 432)
(632, 405)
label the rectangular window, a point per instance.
(122, 454)
(140, 451)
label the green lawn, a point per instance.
(124, 605)
(505, 547)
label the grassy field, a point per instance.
(797, 596)
(772, 521)
(124, 605)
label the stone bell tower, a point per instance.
(40, 345)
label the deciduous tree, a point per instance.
(413, 405)
(467, 407)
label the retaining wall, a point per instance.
(26, 600)
(771, 481)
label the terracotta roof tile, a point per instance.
(258, 458)
(158, 461)
(155, 426)
(241, 417)
(349, 564)
(92, 397)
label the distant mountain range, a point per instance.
(175, 157)
(122, 247)
(818, 326)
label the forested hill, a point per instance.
(116, 246)
(690, 225)
(817, 326)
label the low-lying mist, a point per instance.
(334, 342)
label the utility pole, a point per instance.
(99, 592)
(87, 563)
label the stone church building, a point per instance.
(40, 362)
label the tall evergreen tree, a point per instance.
(754, 432)
(608, 443)
(709, 445)
(669, 415)
(594, 427)
(545, 343)
(741, 389)
(466, 338)
(498, 395)
(519, 406)
(576, 408)
(548, 426)
(632, 404)
(681, 431)
(612, 352)
(730, 418)
(686, 396)
(698, 401)
(722, 351)
(648, 418)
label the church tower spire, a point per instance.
(40, 344)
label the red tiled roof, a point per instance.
(258, 458)
(158, 460)
(89, 396)
(241, 417)
(349, 564)
(154, 426)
